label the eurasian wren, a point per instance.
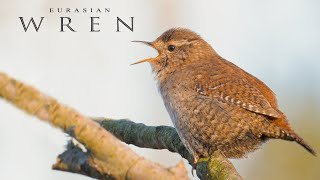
(214, 104)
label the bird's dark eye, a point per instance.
(171, 47)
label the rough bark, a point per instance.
(110, 157)
(107, 157)
(165, 137)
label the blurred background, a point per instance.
(277, 41)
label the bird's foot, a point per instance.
(194, 165)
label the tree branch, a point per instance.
(155, 137)
(165, 137)
(110, 157)
(107, 157)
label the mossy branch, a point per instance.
(165, 137)
(107, 157)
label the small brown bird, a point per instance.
(214, 104)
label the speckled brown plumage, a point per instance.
(213, 104)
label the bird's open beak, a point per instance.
(145, 42)
(145, 60)
(142, 61)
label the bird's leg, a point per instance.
(195, 161)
